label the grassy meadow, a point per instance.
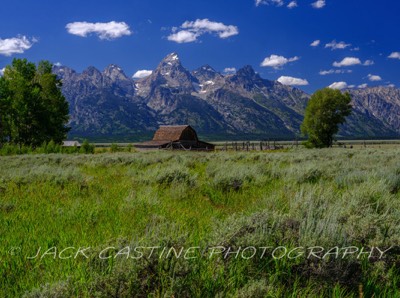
(111, 203)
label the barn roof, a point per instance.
(173, 133)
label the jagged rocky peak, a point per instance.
(247, 72)
(113, 67)
(91, 70)
(63, 71)
(205, 69)
(92, 75)
(171, 73)
(206, 73)
(209, 79)
(172, 58)
(114, 72)
(247, 78)
(169, 65)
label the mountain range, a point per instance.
(109, 105)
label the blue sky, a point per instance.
(355, 43)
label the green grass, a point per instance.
(330, 197)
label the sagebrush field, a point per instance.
(114, 203)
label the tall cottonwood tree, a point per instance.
(325, 111)
(32, 107)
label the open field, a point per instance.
(220, 145)
(297, 221)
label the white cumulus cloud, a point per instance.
(276, 61)
(348, 61)
(334, 45)
(315, 43)
(191, 31)
(394, 55)
(2, 71)
(230, 70)
(338, 85)
(205, 25)
(374, 78)
(106, 31)
(183, 36)
(15, 45)
(319, 4)
(290, 5)
(334, 71)
(292, 81)
(275, 2)
(140, 74)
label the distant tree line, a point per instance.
(46, 148)
(33, 110)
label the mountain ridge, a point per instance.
(109, 104)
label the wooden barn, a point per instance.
(182, 137)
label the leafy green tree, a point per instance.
(5, 112)
(32, 107)
(326, 109)
(87, 148)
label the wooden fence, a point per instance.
(254, 146)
